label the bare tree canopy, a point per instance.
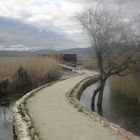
(114, 39)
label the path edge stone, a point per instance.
(23, 125)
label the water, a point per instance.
(6, 123)
(117, 108)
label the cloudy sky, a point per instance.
(39, 24)
(43, 24)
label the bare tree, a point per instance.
(113, 39)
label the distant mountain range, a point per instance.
(45, 51)
(77, 51)
(14, 53)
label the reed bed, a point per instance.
(128, 85)
(21, 74)
(91, 64)
(35, 66)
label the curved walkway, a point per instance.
(55, 119)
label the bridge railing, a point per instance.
(71, 65)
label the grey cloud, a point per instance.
(132, 6)
(128, 6)
(80, 1)
(14, 32)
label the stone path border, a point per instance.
(23, 126)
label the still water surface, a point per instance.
(117, 108)
(6, 122)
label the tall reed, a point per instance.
(21, 74)
(36, 66)
(128, 85)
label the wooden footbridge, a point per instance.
(71, 65)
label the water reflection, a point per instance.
(116, 108)
(6, 123)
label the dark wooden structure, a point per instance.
(69, 58)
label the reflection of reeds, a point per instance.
(128, 85)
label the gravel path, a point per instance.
(55, 119)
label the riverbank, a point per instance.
(117, 108)
(52, 117)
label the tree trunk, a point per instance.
(100, 97)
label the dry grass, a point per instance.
(36, 67)
(19, 75)
(128, 85)
(91, 64)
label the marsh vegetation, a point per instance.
(128, 85)
(21, 74)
